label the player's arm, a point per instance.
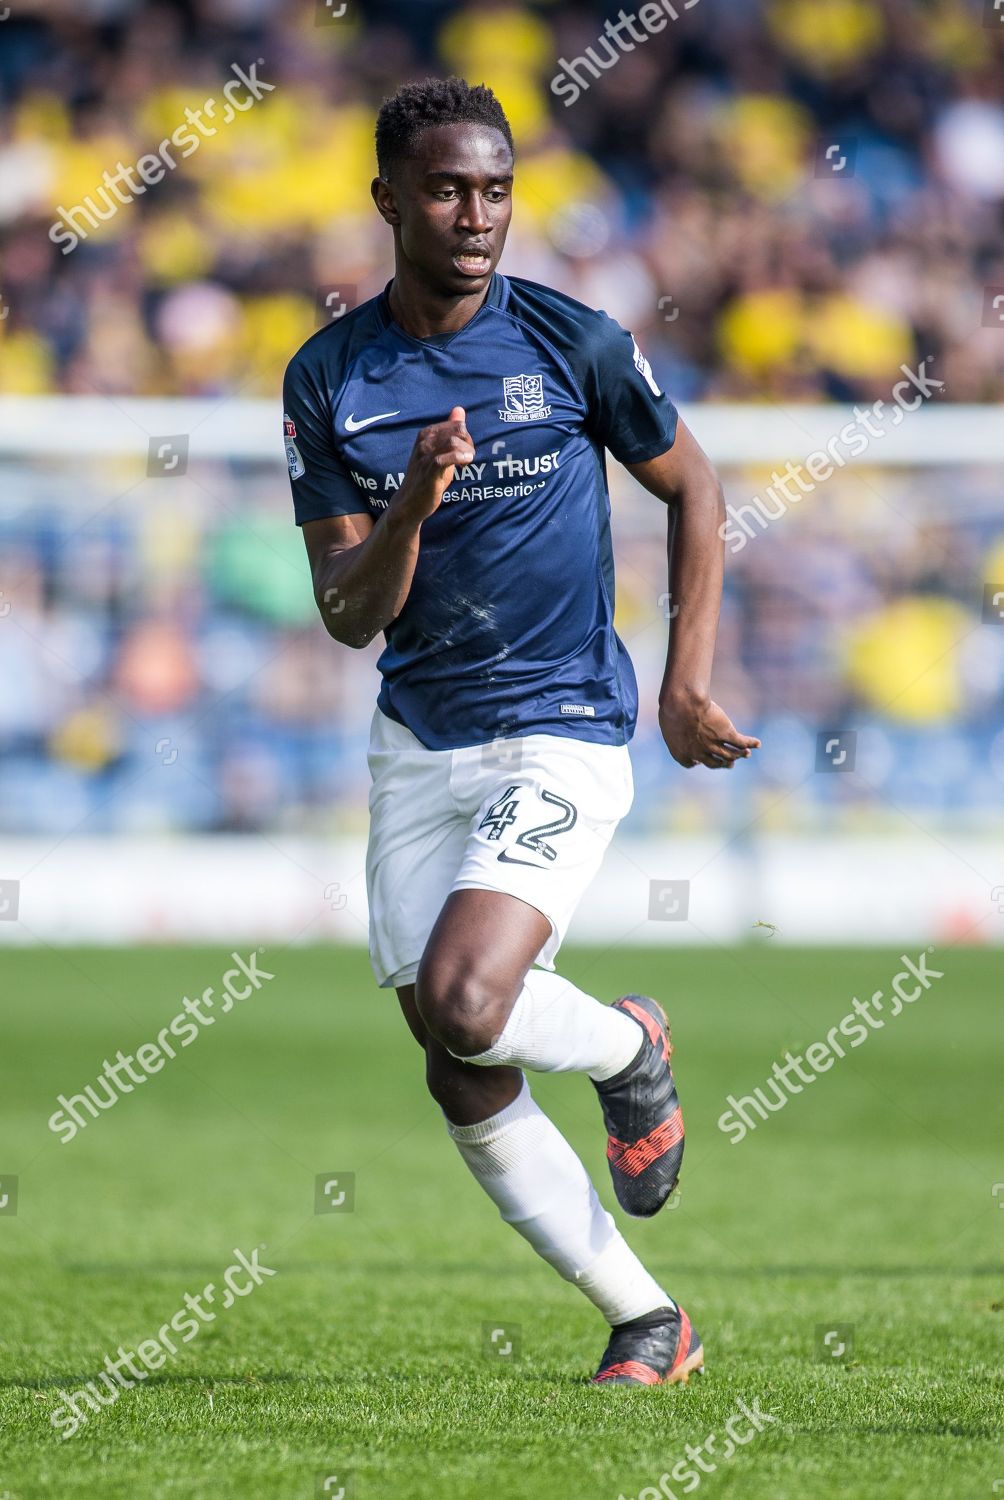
(362, 570)
(631, 415)
(695, 729)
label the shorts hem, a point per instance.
(407, 974)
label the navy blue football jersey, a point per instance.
(508, 627)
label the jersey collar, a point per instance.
(497, 296)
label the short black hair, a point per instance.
(436, 101)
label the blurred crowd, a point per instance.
(784, 199)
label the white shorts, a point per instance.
(530, 816)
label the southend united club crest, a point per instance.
(524, 398)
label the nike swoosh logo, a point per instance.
(508, 859)
(351, 425)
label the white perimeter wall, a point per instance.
(254, 889)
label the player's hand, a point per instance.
(438, 451)
(702, 734)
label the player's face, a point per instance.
(453, 202)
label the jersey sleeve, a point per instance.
(628, 413)
(321, 484)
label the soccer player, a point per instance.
(445, 443)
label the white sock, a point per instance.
(541, 1188)
(556, 1028)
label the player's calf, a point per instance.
(468, 1095)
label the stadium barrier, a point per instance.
(731, 433)
(280, 890)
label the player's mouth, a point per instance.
(473, 262)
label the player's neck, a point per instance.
(423, 312)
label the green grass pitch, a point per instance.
(865, 1206)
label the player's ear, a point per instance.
(383, 197)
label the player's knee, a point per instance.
(462, 1009)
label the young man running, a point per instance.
(446, 449)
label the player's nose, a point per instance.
(474, 214)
